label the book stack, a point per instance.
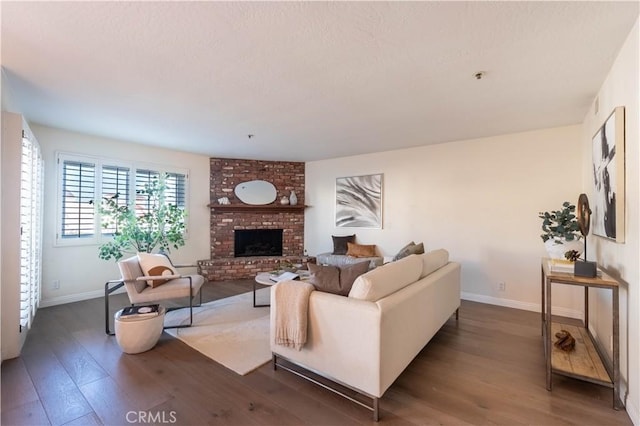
(561, 265)
(139, 312)
(284, 276)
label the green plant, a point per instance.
(560, 224)
(160, 225)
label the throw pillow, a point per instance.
(155, 265)
(361, 250)
(332, 279)
(399, 255)
(408, 250)
(340, 243)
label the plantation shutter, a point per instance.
(176, 188)
(31, 186)
(115, 181)
(144, 178)
(78, 189)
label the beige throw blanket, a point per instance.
(292, 306)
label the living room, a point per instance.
(471, 194)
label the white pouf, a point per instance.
(135, 335)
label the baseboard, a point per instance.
(633, 412)
(508, 303)
(61, 300)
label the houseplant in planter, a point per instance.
(561, 232)
(160, 225)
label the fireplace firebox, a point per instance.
(257, 242)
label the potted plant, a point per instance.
(160, 226)
(561, 233)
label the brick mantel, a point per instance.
(225, 174)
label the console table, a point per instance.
(588, 361)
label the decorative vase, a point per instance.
(293, 199)
(557, 249)
(284, 201)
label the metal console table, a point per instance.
(588, 362)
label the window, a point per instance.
(31, 177)
(115, 183)
(79, 193)
(85, 181)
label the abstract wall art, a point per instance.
(359, 201)
(608, 177)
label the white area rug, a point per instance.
(229, 331)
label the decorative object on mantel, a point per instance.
(584, 268)
(608, 177)
(224, 201)
(284, 201)
(256, 192)
(561, 231)
(293, 198)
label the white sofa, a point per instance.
(366, 340)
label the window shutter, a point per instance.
(31, 178)
(144, 178)
(176, 188)
(78, 189)
(115, 181)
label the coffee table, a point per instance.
(264, 278)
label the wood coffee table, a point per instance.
(264, 278)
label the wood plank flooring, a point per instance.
(486, 368)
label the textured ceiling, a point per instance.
(310, 80)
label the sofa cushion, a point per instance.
(341, 260)
(340, 243)
(332, 279)
(387, 279)
(433, 261)
(361, 250)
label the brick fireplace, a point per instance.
(225, 174)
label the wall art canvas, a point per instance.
(607, 218)
(359, 201)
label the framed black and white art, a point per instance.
(359, 201)
(607, 217)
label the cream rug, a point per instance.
(230, 331)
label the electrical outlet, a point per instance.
(502, 286)
(56, 284)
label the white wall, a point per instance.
(620, 88)
(80, 272)
(477, 198)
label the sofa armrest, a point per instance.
(343, 340)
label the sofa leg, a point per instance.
(275, 362)
(457, 314)
(376, 411)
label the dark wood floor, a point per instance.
(487, 368)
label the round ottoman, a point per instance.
(135, 335)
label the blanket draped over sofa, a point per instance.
(291, 319)
(366, 340)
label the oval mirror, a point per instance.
(256, 192)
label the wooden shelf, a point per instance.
(582, 363)
(245, 208)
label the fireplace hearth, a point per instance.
(257, 242)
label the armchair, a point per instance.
(135, 283)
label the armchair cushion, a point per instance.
(153, 265)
